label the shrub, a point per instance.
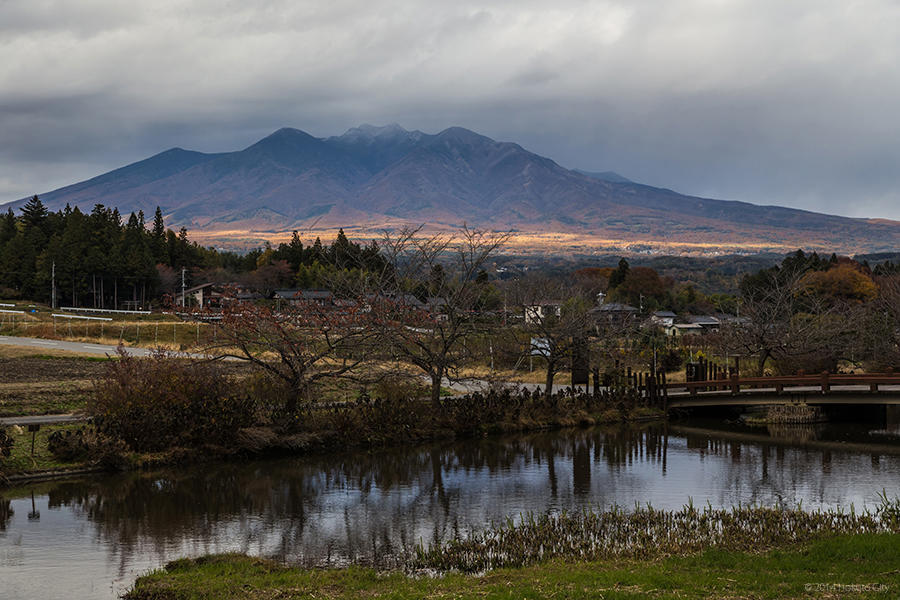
(6, 442)
(400, 388)
(88, 444)
(159, 402)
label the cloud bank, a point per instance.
(772, 102)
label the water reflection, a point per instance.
(94, 535)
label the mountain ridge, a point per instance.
(382, 176)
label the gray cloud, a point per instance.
(772, 102)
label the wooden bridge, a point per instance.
(826, 388)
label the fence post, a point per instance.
(825, 386)
(735, 384)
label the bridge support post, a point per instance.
(826, 387)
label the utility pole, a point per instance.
(53, 286)
(183, 270)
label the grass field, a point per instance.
(858, 566)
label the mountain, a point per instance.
(373, 177)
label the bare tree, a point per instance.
(299, 344)
(880, 324)
(781, 320)
(430, 296)
(557, 321)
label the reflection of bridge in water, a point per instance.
(824, 389)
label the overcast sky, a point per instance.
(770, 101)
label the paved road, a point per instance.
(80, 347)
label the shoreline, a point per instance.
(760, 552)
(307, 444)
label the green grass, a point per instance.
(812, 571)
(22, 461)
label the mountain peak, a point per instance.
(374, 130)
(461, 134)
(285, 142)
(287, 133)
(385, 133)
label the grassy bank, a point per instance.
(852, 566)
(22, 461)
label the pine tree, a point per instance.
(7, 227)
(618, 276)
(34, 213)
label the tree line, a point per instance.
(103, 260)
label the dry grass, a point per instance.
(32, 352)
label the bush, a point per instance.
(671, 360)
(159, 402)
(6, 442)
(811, 363)
(87, 444)
(68, 445)
(400, 388)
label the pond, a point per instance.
(91, 537)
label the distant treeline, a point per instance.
(102, 260)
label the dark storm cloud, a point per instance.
(760, 100)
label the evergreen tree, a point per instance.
(618, 276)
(7, 227)
(34, 213)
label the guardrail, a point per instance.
(107, 310)
(81, 317)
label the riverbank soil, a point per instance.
(859, 566)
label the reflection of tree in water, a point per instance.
(353, 506)
(796, 432)
(6, 513)
(783, 465)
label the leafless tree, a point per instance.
(429, 298)
(299, 344)
(783, 321)
(557, 320)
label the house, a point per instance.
(205, 295)
(296, 296)
(706, 322)
(614, 313)
(681, 329)
(662, 318)
(536, 313)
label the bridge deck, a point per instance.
(880, 389)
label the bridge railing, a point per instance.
(824, 381)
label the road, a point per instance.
(465, 386)
(80, 347)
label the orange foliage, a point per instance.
(842, 282)
(642, 280)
